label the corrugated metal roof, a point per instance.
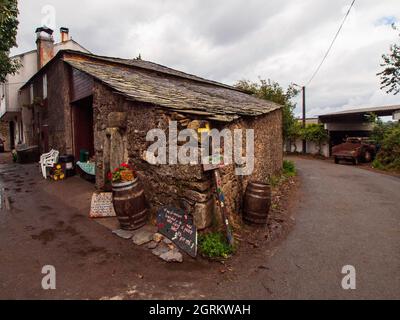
(377, 110)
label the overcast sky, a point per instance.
(244, 39)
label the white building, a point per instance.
(31, 62)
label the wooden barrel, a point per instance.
(257, 202)
(130, 204)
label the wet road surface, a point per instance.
(344, 216)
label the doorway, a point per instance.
(12, 135)
(82, 119)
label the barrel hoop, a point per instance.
(260, 197)
(116, 189)
(128, 197)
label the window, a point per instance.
(45, 86)
(31, 93)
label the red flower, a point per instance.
(116, 169)
(125, 165)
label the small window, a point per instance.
(45, 86)
(31, 93)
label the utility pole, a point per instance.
(304, 118)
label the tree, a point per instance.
(272, 91)
(380, 128)
(8, 34)
(294, 133)
(388, 157)
(390, 76)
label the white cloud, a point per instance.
(231, 40)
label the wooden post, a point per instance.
(221, 204)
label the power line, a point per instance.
(331, 45)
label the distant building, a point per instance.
(311, 147)
(354, 122)
(31, 61)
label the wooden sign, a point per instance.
(102, 205)
(213, 162)
(178, 226)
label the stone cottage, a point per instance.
(108, 105)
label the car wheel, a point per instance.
(336, 159)
(368, 156)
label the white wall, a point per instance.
(2, 99)
(396, 116)
(69, 45)
(15, 82)
(311, 148)
(365, 126)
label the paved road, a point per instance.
(345, 216)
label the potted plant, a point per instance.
(128, 197)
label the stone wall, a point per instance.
(55, 111)
(185, 186)
(268, 157)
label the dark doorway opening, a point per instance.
(82, 119)
(44, 147)
(12, 135)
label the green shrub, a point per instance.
(388, 157)
(289, 169)
(377, 164)
(214, 245)
(274, 180)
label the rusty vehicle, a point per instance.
(354, 149)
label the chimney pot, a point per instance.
(45, 45)
(64, 34)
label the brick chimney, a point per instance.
(64, 34)
(45, 45)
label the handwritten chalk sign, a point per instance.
(178, 226)
(102, 205)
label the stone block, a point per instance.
(160, 249)
(196, 196)
(117, 120)
(141, 237)
(124, 234)
(202, 214)
(172, 256)
(152, 245)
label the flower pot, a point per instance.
(130, 204)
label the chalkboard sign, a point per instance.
(178, 226)
(102, 205)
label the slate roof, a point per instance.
(148, 82)
(151, 66)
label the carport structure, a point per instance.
(354, 122)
